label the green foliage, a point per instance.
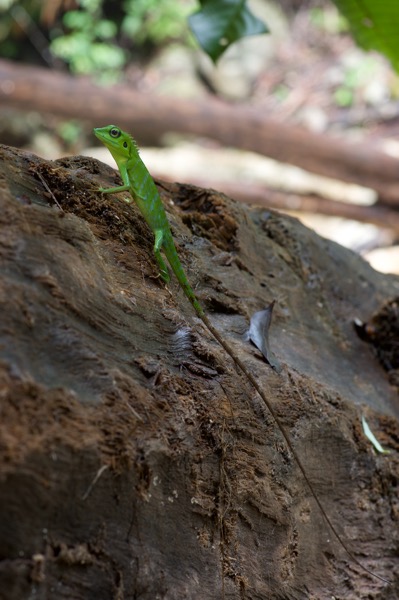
(70, 131)
(155, 21)
(328, 19)
(343, 97)
(356, 76)
(374, 24)
(12, 12)
(91, 43)
(220, 23)
(6, 4)
(89, 46)
(99, 36)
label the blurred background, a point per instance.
(300, 118)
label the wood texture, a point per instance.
(135, 462)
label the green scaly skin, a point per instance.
(137, 180)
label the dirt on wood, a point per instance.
(135, 461)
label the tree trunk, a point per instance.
(136, 462)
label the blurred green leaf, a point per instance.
(328, 19)
(6, 4)
(220, 23)
(154, 21)
(77, 19)
(374, 24)
(70, 131)
(343, 97)
(105, 29)
(91, 5)
(106, 56)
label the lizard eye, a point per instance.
(115, 132)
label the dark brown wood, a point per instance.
(135, 462)
(382, 216)
(237, 126)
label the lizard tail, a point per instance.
(174, 261)
(242, 367)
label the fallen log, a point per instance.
(135, 461)
(149, 116)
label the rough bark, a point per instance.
(149, 116)
(135, 461)
(261, 195)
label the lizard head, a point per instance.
(119, 143)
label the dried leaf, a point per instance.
(259, 335)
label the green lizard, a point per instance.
(138, 181)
